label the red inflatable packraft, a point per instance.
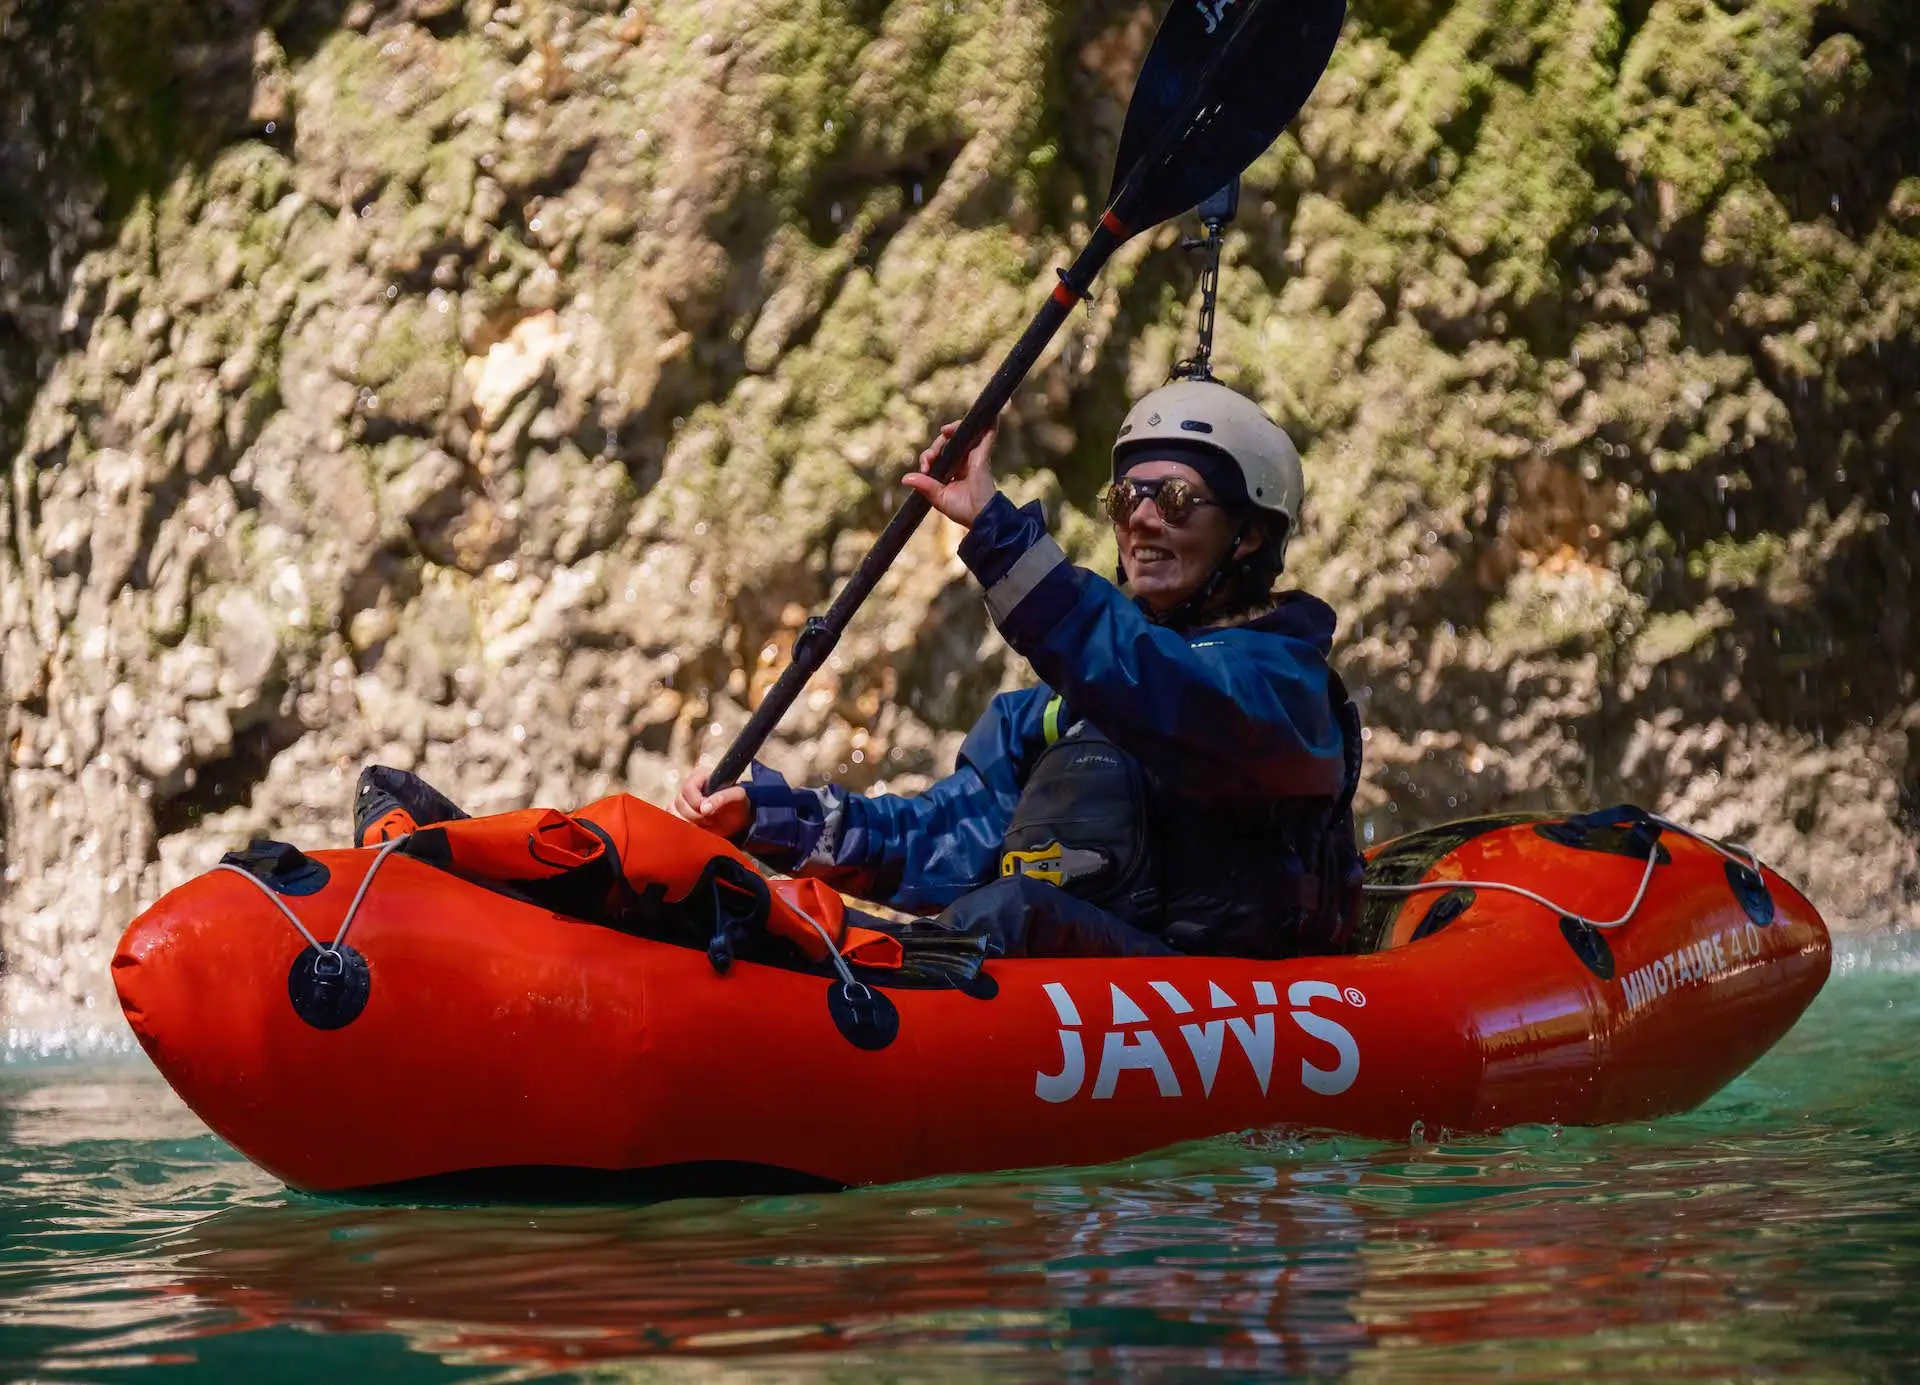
(615, 1002)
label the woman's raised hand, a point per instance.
(966, 494)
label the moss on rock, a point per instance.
(1595, 322)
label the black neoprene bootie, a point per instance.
(390, 803)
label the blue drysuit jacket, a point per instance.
(1241, 713)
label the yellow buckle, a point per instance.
(1044, 864)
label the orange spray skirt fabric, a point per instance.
(497, 1035)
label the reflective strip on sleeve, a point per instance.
(1050, 720)
(1026, 573)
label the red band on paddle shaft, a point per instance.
(1112, 223)
(1062, 294)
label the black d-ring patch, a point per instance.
(864, 1016)
(281, 867)
(1636, 841)
(329, 989)
(1442, 912)
(1751, 890)
(1589, 944)
(981, 985)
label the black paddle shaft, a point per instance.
(821, 633)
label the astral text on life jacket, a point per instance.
(1189, 1049)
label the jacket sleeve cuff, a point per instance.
(786, 821)
(1000, 534)
(1029, 583)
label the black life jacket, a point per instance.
(1219, 879)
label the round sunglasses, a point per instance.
(1175, 499)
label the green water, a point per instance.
(1774, 1234)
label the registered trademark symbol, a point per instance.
(1354, 998)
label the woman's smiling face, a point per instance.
(1166, 564)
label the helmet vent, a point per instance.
(1196, 425)
(1125, 429)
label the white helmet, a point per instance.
(1206, 414)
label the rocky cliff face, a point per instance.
(490, 389)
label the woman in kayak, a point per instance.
(1182, 780)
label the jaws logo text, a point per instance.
(1130, 1045)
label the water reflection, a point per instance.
(1242, 1265)
(1776, 1233)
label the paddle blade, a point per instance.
(1220, 83)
